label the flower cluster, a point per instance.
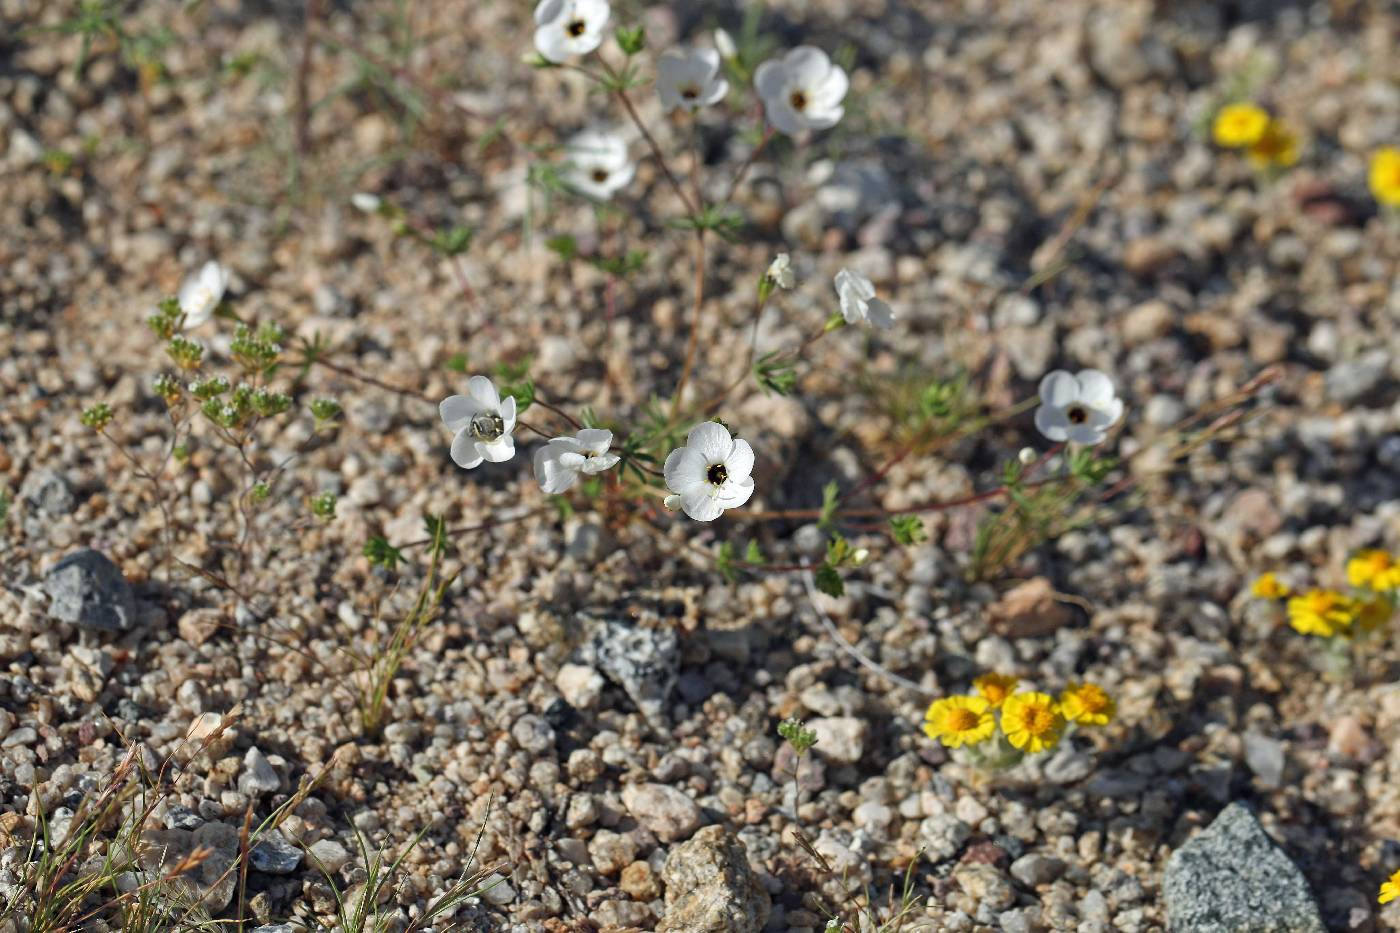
(1374, 578)
(1268, 142)
(1384, 176)
(1029, 722)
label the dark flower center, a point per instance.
(717, 474)
(600, 175)
(576, 28)
(690, 92)
(1077, 415)
(798, 99)
(487, 426)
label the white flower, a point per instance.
(1079, 408)
(689, 79)
(369, 203)
(858, 302)
(597, 164)
(710, 473)
(802, 91)
(725, 44)
(481, 424)
(201, 293)
(780, 272)
(559, 463)
(564, 28)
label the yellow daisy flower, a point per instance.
(1276, 148)
(995, 688)
(1376, 570)
(1385, 175)
(1238, 125)
(959, 720)
(1088, 704)
(1032, 721)
(1269, 586)
(1321, 612)
(1391, 889)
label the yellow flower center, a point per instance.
(576, 28)
(1093, 700)
(1038, 720)
(960, 719)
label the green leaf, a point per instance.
(523, 393)
(724, 562)
(381, 553)
(753, 554)
(457, 363)
(436, 528)
(829, 581)
(908, 529)
(563, 246)
(775, 375)
(796, 734)
(831, 495)
(631, 41)
(453, 241)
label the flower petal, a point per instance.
(770, 79)
(879, 313)
(712, 440)
(595, 465)
(702, 506)
(464, 452)
(1095, 388)
(595, 440)
(457, 410)
(736, 494)
(807, 66)
(481, 389)
(684, 470)
(832, 90)
(1051, 422)
(859, 285)
(498, 451)
(739, 463)
(508, 414)
(552, 42)
(547, 11)
(1059, 388)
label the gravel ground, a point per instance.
(592, 689)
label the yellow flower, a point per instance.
(1269, 586)
(959, 720)
(1032, 721)
(1391, 889)
(995, 688)
(1238, 125)
(1321, 612)
(1276, 148)
(1385, 175)
(1376, 570)
(1087, 704)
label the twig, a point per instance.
(869, 663)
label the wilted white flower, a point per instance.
(597, 164)
(1027, 456)
(689, 79)
(559, 463)
(1079, 408)
(780, 271)
(201, 293)
(481, 424)
(564, 28)
(369, 203)
(858, 302)
(724, 42)
(710, 473)
(802, 91)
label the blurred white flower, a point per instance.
(724, 42)
(1079, 408)
(369, 203)
(201, 293)
(1027, 456)
(481, 424)
(858, 302)
(596, 164)
(564, 28)
(559, 463)
(780, 271)
(802, 91)
(710, 473)
(689, 79)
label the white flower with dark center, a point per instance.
(201, 293)
(369, 203)
(559, 463)
(710, 473)
(597, 164)
(780, 272)
(481, 424)
(689, 79)
(564, 28)
(802, 91)
(858, 302)
(1079, 408)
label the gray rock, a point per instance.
(87, 589)
(1265, 758)
(1352, 380)
(47, 494)
(212, 881)
(329, 855)
(644, 662)
(667, 812)
(710, 887)
(258, 775)
(1231, 878)
(1068, 766)
(274, 855)
(1034, 869)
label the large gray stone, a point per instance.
(643, 661)
(87, 589)
(1231, 878)
(710, 887)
